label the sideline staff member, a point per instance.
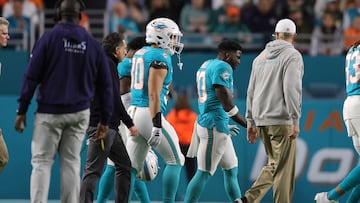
(273, 111)
(67, 65)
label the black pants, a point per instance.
(190, 163)
(115, 149)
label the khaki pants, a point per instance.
(4, 155)
(279, 172)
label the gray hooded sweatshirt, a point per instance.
(274, 93)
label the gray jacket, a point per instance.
(274, 93)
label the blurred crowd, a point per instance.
(325, 27)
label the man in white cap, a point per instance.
(273, 110)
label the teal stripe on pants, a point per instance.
(172, 145)
(209, 147)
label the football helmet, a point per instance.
(151, 167)
(166, 34)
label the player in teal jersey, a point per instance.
(215, 100)
(351, 114)
(151, 75)
(124, 68)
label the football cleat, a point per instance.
(323, 198)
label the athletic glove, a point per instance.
(234, 130)
(155, 137)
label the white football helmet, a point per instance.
(151, 167)
(166, 34)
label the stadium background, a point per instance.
(324, 152)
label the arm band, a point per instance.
(157, 120)
(232, 111)
(159, 65)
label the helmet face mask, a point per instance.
(175, 45)
(166, 34)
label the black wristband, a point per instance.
(157, 120)
(19, 113)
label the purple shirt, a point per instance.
(67, 65)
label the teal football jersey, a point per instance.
(141, 63)
(352, 70)
(124, 68)
(211, 113)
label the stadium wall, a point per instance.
(324, 152)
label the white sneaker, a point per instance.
(238, 201)
(323, 198)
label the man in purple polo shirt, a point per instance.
(67, 66)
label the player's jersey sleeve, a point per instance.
(160, 60)
(124, 68)
(222, 75)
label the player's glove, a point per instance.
(234, 130)
(155, 137)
